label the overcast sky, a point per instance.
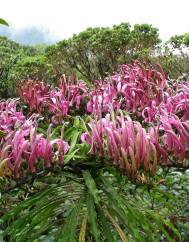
(62, 18)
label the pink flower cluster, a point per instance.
(102, 97)
(34, 93)
(67, 95)
(131, 147)
(140, 90)
(137, 89)
(134, 89)
(39, 95)
(175, 102)
(24, 149)
(10, 117)
(125, 142)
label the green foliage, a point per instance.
(144, 40)
(175, 58)
(176, 41)
(96, 52)
(173, 65)
(19, 62)
(10, 52)
(34, 67)
(186, 39)
(115, 214)
(3, 22)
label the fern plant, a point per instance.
(90, 205)
(87, 200)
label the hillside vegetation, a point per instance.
(94, 138)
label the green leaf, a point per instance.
(105, 226)
(74, 139)
(68, 232)
(37, 215)
(3, 22)
(136, 219)
(56, 131)
(2, 134)
(91, 185)
(92, 217)
(76, 122)
(69, 156)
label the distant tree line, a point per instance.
(91, 54)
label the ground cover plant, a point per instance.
(107, 161)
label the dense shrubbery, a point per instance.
(101, 162)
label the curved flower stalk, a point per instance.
(58, 105)
(124, 142)
(179, 103)
(65, 97)
(73, 92)
(58, 100)
(175, 138)
(137, 89)
(9, 116)
(171, 139)
(175, 102)
(102, 98)
(131, 147)
(141, 86)
(25, 149)
(34, 93)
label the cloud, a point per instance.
(29, 36)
